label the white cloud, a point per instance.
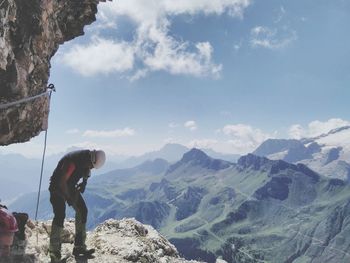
(202, 143)
(173, 125)
(149, 11)
(277, 37)
(103, 21)
(237, 46)
(171, 140)
(153, 46)
(316, 128)
(281, 14)
(173, 57)
(100, 56)
(139, 74)
(244, 138)
(191, 125)
(272, 38)
(296, 131)
(73, 131)
(110, 134)
(232, 7)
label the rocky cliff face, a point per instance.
(30, 34)
(115, 241)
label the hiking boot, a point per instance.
(55, 243)
(56, 258)
(62, 260)
(81, 251)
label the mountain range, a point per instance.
(258, 209)
(255, 210)
(328, 154)
(172, 152)
(24, 173)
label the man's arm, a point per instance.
(81, 187)
(67, 172)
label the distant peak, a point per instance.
(257, 163)
(195, 154)
(271, 146)
(174, 145)
(196, 157)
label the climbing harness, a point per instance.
(50, 89)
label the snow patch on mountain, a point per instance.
(328, 154)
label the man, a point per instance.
(66, 185)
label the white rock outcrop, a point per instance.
(116, 241)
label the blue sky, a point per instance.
(224, 74)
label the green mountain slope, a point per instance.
(256, 210)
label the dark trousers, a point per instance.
(59, 208)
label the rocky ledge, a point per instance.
(125, 240)
(30, 34)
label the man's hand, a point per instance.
(81, 187)
(69, 202)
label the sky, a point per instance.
(220, 74)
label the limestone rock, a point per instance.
(121, 241)
(30, 34)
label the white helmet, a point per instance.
(98, 158)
